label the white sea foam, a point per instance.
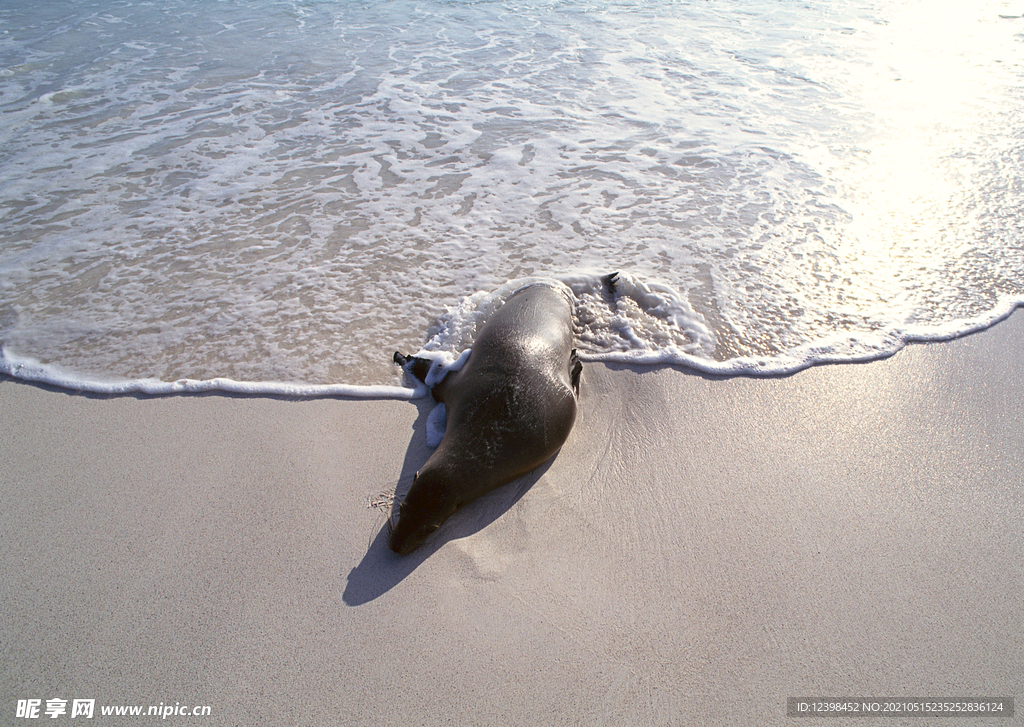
(28, 369)
(282, 191)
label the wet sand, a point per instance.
(701, 549)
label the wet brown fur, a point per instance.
(509, 409)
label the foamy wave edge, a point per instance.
(841, 348)
(838, 349)
(28, 369)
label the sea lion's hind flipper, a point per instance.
(417, 367)
(611, 284)
(610, 281)
(575, 369)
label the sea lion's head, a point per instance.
(425, 507)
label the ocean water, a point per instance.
(274, 195)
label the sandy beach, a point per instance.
(701, 549)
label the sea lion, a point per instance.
(510, 408)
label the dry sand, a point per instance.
(700, 550)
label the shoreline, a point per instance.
(702, 548)
(821, 352)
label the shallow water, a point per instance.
(289, 191)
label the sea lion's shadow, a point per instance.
(381, 569)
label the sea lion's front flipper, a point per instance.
(575, 369)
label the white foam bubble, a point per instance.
(437, 423)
